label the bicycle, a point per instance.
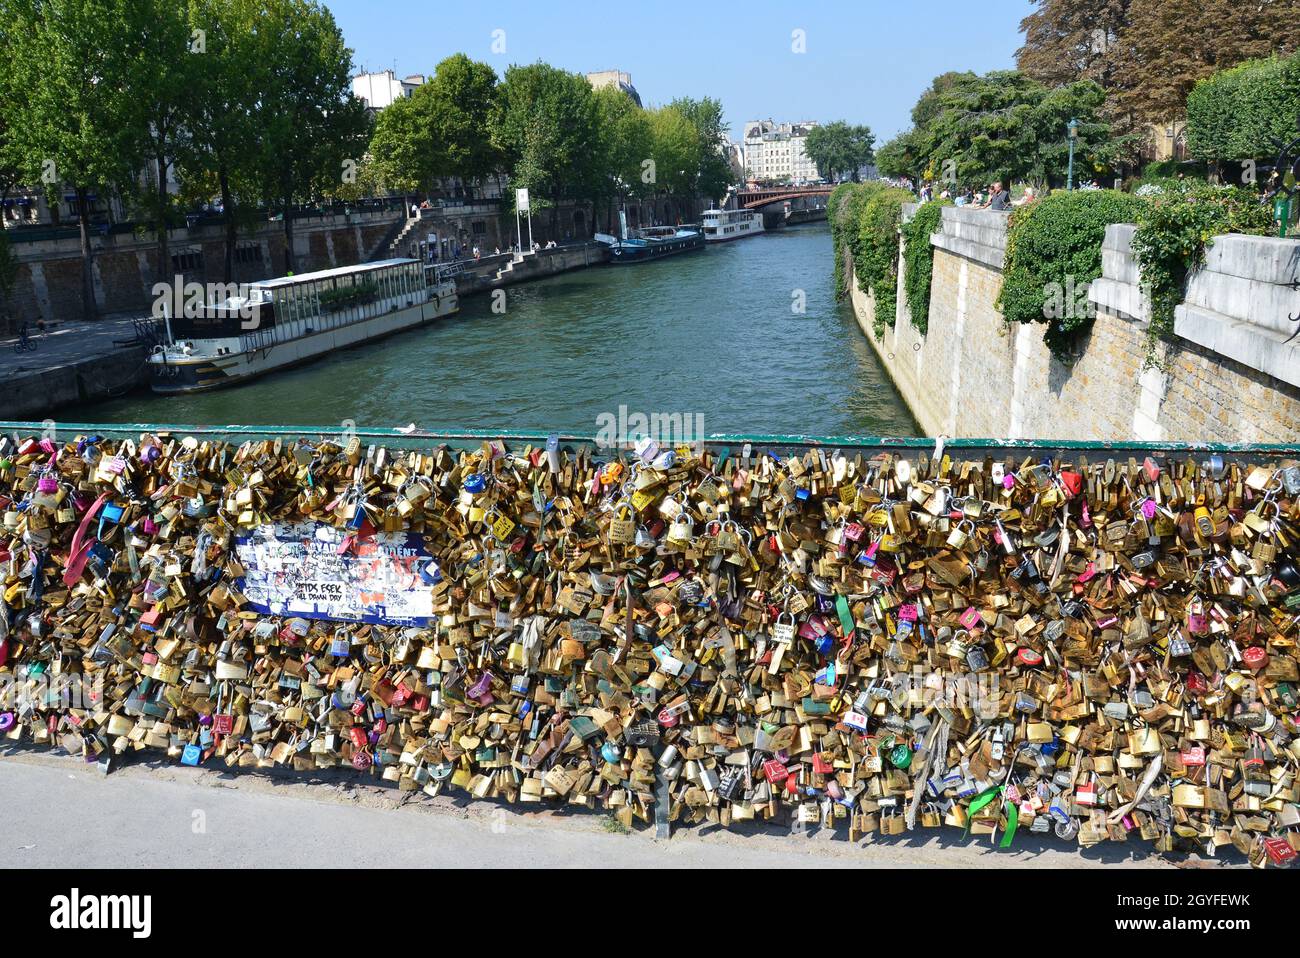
(25, 342)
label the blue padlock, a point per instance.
(191, 755)
(610, 753)
(474, 483)
(431, 572)
(825, 643)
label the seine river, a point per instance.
(746, 335)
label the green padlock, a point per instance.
(901, 756)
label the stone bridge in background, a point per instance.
(784, 204)
(757, 199)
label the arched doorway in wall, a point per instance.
(579, 225)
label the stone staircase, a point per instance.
(392, 245)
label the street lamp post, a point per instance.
(1073, 127)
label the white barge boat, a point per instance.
(721, 226)
(282, 322)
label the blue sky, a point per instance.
(865, 61)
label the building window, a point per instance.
(188, 261)
(248, 254)
(479, 227)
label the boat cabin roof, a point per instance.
(331, 273)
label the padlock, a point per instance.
(622, 525)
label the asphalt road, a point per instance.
(58, 812)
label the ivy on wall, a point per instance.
(1175, 226)
(1053, 254)
(864, 220)
(918, 260)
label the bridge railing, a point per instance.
(743, 445)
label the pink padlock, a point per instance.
(47, 484)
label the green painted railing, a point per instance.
(729, 444)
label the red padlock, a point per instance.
(1255, 658)
(775, 771)
(1196, 683)
(1028, 657)
(1279, 851)
(1072, 483)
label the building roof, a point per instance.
(330, 273)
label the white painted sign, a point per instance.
(309, 570)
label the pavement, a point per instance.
(64, 343)
(60, 812)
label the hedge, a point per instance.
(1237, 114)
(1053, 255)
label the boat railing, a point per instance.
(327, 321)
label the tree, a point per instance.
(403, 148)
(545, 122)
(311, 130)
(1171, 44)
(161, 73)
(440, 130)
(838, 148)
(1068, 40)
(1005, 125)
(1148, 54)
(218, 152)
(73, 115)
(1244, 113)
(711, 174)
(459, 101)
(676, 151)
(900, 159)
(625, 149)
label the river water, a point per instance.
(713, 336)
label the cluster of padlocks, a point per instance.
(1101, 650)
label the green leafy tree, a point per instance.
(899, 157)
(165, 65)
(711, 174)
(675, 149)
(1243, 113)
(441, 130)
(73, 115)
(626, 144)
(403, 148)
(838, 148)
(218, 154)
(458, 102)
(312, 132)
(1005, 125)
(545, 122)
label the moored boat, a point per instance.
(281, 322)
(652, 242)
(721, 226)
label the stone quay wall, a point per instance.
(1226, 375)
